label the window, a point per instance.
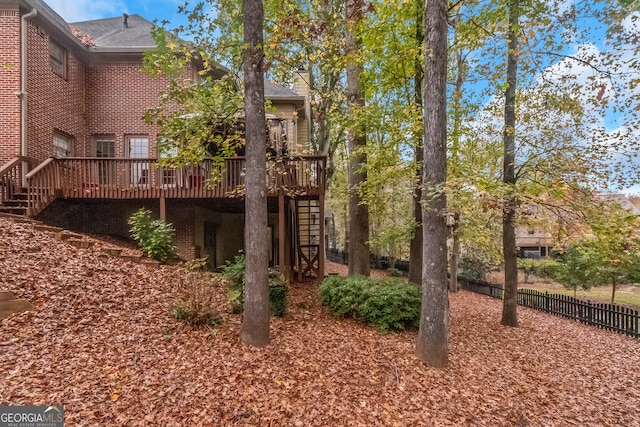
(277, 137)
(168, 174)
(62, 145)
(138, 148)
(105, 147)
(58, 58)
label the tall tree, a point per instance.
(357, 141)
(432, 346)
(255, 320)
(415, 255)
(510, 302)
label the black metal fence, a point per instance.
(379, 262)
(611, 317)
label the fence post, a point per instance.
(546, 302)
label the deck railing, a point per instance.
(11, 174)
(43, 183)
(125, 178)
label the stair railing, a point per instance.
(43, 183)
(11, 174)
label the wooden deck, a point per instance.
(298, 183)
(125, 178)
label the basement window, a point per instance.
(58, 58)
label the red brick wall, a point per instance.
(183, 220)
(9, 83)
(118, 94)
(94, 99)
(111, 216)
(55, 102)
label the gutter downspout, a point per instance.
(23, 90)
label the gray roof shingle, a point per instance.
(277, 92)
(111, 32)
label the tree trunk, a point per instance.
(255, 320)
(453, 171)
(613, 291)
(358, 209)
(432, 345)
(455, 251)
(510, 303)
(415, 249)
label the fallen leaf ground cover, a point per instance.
(102, 342)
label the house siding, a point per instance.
(55, 103)
(297, 128)
(9, 84)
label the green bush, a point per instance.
(473, 268)
(386, 304)
(195, 303)
(549, 268)
(278, 291)
(154, 236)
(527, 265)
(343, 295)
(234, 271)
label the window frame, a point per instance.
(105, 170)
(139, 175)
(57, 136)
(58, 58)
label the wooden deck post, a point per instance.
(282, 260)
(321, 249)
(163, 208)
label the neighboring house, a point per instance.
(621, 200)
(535, 240)
(75, 151)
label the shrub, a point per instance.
(154, 236)
(234, 271)
(386, 304)
(343, 295)
(527, 265)
(549, 268)
(473, 268)
(278, 291)
(195, 304)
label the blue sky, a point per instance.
(84, 10)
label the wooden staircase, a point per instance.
(307, 227)
(17, 204)
(13, 197)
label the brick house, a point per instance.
(75, 151)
